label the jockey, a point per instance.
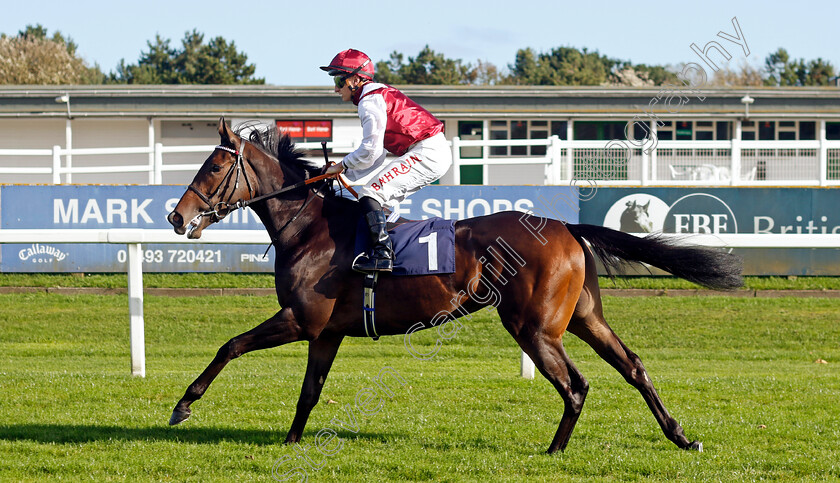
(393, 122)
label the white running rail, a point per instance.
(135, 237)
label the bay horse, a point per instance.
(554, 290)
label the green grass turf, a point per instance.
(254, 280)
(739, 374)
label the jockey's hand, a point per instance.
(335, 169)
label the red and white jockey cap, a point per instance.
(349, 62)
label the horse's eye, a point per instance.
(216, 168)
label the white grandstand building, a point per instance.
(500, 135)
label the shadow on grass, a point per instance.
(81, 433)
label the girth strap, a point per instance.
(369, 305)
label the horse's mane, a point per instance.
(278, 145)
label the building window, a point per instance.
(499, 130)
(598, 130)
(539, 130)
(692, 131)
(807, 130)
(748, 130)
(683, 130)
(471, 131)
(779, 130)
(519, 130)
(559, 129)
(666, 131)
(832, 131)
(766, 130)
(704, 131)
(524, 129)
(787, 131)
(723, 130)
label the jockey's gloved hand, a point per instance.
(334, 169)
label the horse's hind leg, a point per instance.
(538, 327)
(550, 358)
(588, 323)
(280, 329)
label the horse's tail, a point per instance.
(709, 267)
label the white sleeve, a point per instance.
(374, 117)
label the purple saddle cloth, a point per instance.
(422, 247)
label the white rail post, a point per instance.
(823, 159)
(456, 157)
(135, 309)
(56, 167)
(153, 167)
(570, 156)
(158, 167)
(526, 366)
(68, 143)
(735, 176)
(556, 160)
(654, 174)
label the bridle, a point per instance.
(221, 209)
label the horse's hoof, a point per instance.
(695, 446)
(179, 416)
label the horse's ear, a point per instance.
(224, 132)
(646, 206)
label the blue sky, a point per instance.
(289, 40)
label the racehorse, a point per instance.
(554, 289)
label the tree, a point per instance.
(820, 72)
(488, 74)
(746, 75)
(388, 71)
(656, 74)
(569, 66)
(428, 67)
(32, 57)
(217, 62)
(38, 31)
(566, 66)
(781, 70)
(526, 69)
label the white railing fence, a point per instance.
(134, 238)
(672, 163)
(61, 165)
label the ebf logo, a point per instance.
(700, 213)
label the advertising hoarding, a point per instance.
(729, 210)
(99, 207)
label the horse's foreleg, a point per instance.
(280, 329)
(322, 353)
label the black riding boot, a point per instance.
(381, 257)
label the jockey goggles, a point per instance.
(340, 81)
